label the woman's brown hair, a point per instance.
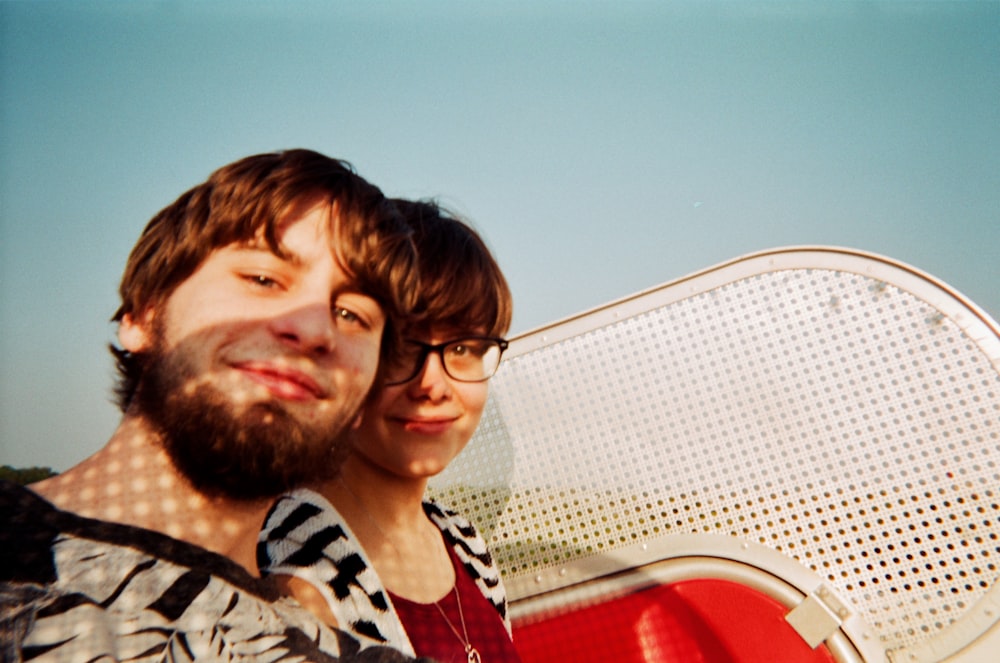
(461, 284)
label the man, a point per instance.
(254, 309)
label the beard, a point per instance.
(239, 451)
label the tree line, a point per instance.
(25, 475)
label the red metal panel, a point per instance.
(692, 621)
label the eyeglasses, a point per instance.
(470, 359)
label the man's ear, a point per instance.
(135, 333)
(356, 424)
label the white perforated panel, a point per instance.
(828, 415)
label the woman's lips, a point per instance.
(423, 426)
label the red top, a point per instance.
(431, 637)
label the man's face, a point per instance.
(256, 363)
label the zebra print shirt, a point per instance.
(305, 536)
(77, 589)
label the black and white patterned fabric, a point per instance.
(77, 589)
(305, 536)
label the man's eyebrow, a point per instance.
(258, 245)
(349, 286)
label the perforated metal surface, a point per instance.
(824, 412)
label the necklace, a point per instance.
(471, 653)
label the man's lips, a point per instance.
(282, 382)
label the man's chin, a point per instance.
(228, 434)
(248, 474)
(244, 452)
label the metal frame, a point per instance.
(950, 302)
(549, 408)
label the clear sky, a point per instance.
(601, 147)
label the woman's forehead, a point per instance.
(440, 332)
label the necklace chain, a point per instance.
(471, 653)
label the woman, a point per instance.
(365, 551)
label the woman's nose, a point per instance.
(432, 381)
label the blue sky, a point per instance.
(601, 147)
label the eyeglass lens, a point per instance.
(468, 359)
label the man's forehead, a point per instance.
(311, 223)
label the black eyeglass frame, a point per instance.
(427, 348)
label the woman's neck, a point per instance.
(386, 514)
(394, 502)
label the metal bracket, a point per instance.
(818, 616)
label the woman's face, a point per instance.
(417, 428)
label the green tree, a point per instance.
(25, 475)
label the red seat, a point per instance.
(690, 621)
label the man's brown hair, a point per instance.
(249, 199)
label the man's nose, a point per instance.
(309, 329)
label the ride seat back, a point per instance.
(839, 409)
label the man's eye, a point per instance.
(346, 315)
(261, 280)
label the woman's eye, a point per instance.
(467, 349)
